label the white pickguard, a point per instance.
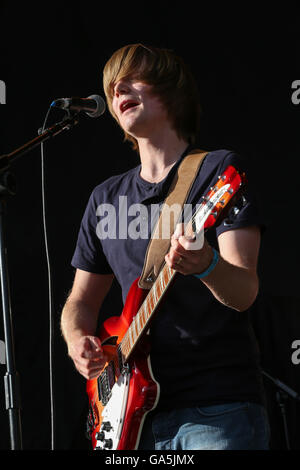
(114, 412)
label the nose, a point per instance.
(121, 88)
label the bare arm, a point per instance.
(79, 321)
(234, 281)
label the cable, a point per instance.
(50, 293)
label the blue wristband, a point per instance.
(210, 267)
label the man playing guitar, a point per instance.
(203, 352)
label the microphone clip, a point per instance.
(70, 120)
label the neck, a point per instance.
(158, 156)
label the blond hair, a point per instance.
(170, 77)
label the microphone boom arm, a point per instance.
(66, 124)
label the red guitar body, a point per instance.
(143, 391)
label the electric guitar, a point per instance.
(125, 391)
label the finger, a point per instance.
(176, 248)
(89, 364)
(179, 230)
(95, 342)
(192, 243)
(174, 262)
(92, 348)
(176, 252)
(89, 369)
(186, 242)
(89, 374)
(95, 355)
(92, 343)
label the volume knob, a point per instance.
(106, 426)
(100, 436)
(108, 443)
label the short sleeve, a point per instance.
(89, 255)
(249, 211)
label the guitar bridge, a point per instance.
(106, 382)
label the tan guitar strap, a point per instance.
(160, 240)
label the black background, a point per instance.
(244, 61)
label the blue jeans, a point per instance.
(230, 426)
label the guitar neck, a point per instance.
(225, 191)
(141, 320)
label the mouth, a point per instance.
(128, 104)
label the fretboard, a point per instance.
(140, 322)
(228, 186)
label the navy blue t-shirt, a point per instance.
(201, 351)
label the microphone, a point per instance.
(93, 105)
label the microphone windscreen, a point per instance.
(101, 106)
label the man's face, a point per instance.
(139, 112)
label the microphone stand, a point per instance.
(282, 394)
(8, 188)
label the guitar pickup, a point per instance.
(105, 383)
